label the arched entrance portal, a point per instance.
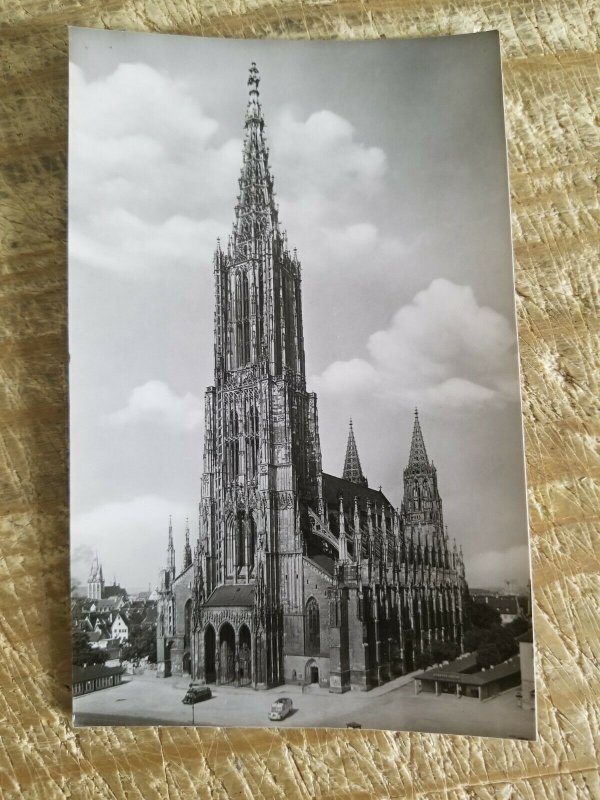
(210, 673)
(245, 657)
(227, 654)
(187, 663)
(311, 672)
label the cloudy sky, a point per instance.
(390, 172)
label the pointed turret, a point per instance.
(187, 551)
(171, 550)
(417, 460)
(352, 469)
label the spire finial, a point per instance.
(253, 78)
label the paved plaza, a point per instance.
(148, 700)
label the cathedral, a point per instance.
(297, 576)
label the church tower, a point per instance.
(262, 462)
(95, 580)
(422, 504)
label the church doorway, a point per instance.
(311, 672)
(187, 663)
(210, 673)
(227, 654)
(245, 657)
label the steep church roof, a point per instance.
(333, 487)
(417, 459)
(352, 469)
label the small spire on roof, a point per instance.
(352, 468)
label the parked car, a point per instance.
(196, 693)
(281, 708)
(353, 725)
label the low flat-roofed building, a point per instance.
(95, 677)
(527, 670)
(463, 677)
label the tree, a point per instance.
(83, 654)
(483, 616)
(141, 643)
(488, 654)
(474, 637)
(518, 626)
(443, 651)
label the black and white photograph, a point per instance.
(297, 478)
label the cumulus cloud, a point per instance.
(154, 402)
(121, 531)
(493, 567)
(151, 183)
(119, 241)
(441, 350)
(141, 153)
(320, 154)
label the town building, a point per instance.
(297, 576)
(95, 677)
(526, 658)
(465, 678)
(509, 606)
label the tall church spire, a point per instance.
(255, 212)
(352, 469)
(418, 455)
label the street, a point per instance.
(148, 700)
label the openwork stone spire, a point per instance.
(418, 455)
(352, 469)
(187, 552)
(171, 549)
(255, 212)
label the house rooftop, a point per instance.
(93, 671)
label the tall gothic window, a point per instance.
(252, 440)
(252, 540)
(229, 545)
(232, 444)
(313, 631)
(187, 623)
(242, 319)
(241, 539)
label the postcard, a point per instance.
(297, 475)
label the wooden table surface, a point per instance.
(551, 74)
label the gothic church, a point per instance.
(297, 576)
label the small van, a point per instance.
(281, 708)
(196, 693)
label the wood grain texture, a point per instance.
(551, 74)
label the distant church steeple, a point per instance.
(352, 469)
(95, 580)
